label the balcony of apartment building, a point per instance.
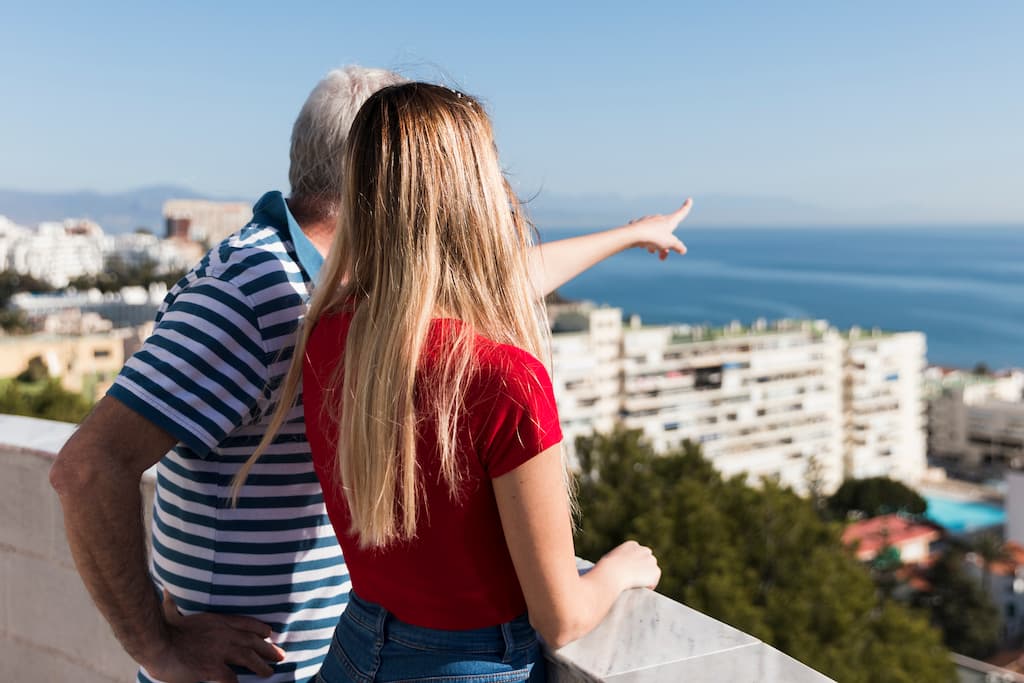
(670, 380)
(774, 444)
(50, 630)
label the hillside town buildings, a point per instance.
(59, 252)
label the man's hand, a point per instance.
(200, 647)
(97, 475)
(656, 232)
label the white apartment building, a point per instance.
(768, 401)
(10, 232)
(763, 402)
(57, 252)
(884, 410)
(585, 346)
(976, 420)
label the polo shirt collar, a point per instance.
(272, 209)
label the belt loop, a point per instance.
(506, 633)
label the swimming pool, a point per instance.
(959, 516)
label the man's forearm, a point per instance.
(103, 519)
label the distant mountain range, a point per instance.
(125, 211)
(116, 212)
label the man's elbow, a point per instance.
(75, 470)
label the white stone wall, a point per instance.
(49, 628)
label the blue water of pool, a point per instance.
(959, 516)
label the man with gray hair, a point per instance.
(256, 587)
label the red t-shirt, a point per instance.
(456, 573)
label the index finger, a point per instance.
(684, 210)
(247, 624)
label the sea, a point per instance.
(962, 287)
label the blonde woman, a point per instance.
(431, 418)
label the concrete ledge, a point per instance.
(975, 671)
(648, 638)
(50, 630)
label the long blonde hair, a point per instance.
(429, 227)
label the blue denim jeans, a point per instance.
(371, 645)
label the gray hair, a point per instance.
(319, 134)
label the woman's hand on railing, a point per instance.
(633, 565)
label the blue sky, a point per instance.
(878, 108)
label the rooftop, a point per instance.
(737, 330)
(872, 535)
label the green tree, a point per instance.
(47, 400)
(875, 496)
(814, 480)
(960, 608)
(118, 274)
(35, 372)
(14, 321)
(990, 549)
(757, 558)
(12, 283)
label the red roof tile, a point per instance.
(872, 535)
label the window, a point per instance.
(101, 353)
(709, 377)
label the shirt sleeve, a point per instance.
(204, 369)
(520, 417)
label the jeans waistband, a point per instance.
(502, 639)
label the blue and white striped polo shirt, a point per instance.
(209, 376)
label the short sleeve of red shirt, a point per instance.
(515, 411)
